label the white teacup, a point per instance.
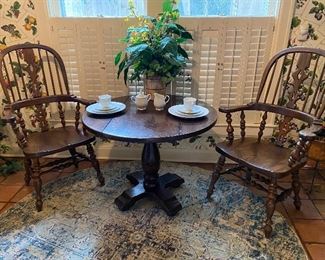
(141, 100)
(189, 103)
(104, 101)
(160, 101)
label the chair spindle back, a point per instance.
(31, 72)
(293, 79)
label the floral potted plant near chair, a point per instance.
(154, 50)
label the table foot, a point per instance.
(127, 199)
(167, 201)
(171, 180)
(161, 193)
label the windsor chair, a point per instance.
(35, 85)
(292, 91)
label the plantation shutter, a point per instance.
(92, 48)
(226, 58)
(66, 45)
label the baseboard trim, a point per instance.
(124, 153)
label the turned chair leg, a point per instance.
(74, 156)
(296, 189)
(95, 164)
(37, 182)
(28, 171)
(215, 175)
(270, 207)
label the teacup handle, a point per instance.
(167, 98)
(148, 97)
(133, 99)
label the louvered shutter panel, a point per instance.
(208, 64)
(257, 55)
(184, 84)
(92, 46)
(90, 59)
(111, 36)
(226, 58)
(65, 40)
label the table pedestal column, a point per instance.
(149, 183)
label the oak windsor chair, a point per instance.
(35, 85)
(292, 90)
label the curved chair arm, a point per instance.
(311, 133)
(8, 116)
(236, 108)
(305, 136)
(50, 99)
(83, 101)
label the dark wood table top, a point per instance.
(148, 126)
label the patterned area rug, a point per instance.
(80, 221)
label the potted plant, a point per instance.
(153, 50)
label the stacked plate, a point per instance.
(97, 109)
(180, 111)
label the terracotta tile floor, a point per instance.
(309, 222)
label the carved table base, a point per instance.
(149, 184)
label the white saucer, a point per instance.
(174, 110)
(195, 110)
(114, 107)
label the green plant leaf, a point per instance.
(171, 27)
(17, 68)
(138, 52)
(137, 48)
(16, 5)
(121, 67)
(153, 20)
(34, 30)
(138, 29)
(182, 52)
(126, 75)
(168, 44)
(10, 167)
(180, 27)
(167, 6)
(295, 22)
(178, 61)
(184, 33)
(181, 40)
(314, 10)
(117, 58)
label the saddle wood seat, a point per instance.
(250, 153)
(55, 140)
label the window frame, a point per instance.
(152, 8)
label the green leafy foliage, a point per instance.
(295, 22)
(318, 10)
(6, 166)
(10, 166)
(154, 46)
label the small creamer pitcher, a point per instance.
(160, 101)
(141, 100)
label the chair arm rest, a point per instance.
(83, 101)
(310, 133)
(305, 136)
(8, 116)
(236, 108)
